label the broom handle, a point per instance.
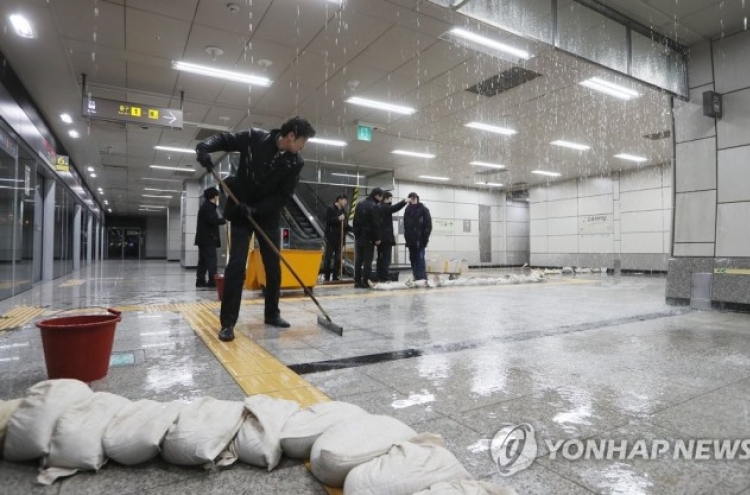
(271, 245)
(341, 250)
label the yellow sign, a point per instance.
(135, 111)
(153, 114)
(62, 164)
(732, 271)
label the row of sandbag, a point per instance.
(72, 428)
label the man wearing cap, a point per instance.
(207, 238)
(387, 238)
(417, 230)
(367, 236)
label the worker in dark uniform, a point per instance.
(267, 175)
(207, 238)
(335, 238)
(367, 236)
(387, 239)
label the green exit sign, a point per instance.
(364, 133)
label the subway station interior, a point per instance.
(588, 267)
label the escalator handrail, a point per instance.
(313, 219)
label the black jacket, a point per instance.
(333, 224)
(207, 229)
(417, 225)
(366, 222)
(386, 221)
(266, 177)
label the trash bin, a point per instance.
(219, 279)
(79, 346)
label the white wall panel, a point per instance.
(595, 205)
(642, 221)
(562, 208)
(650, 199)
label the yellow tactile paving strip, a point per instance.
(73, 282)
(19, 316)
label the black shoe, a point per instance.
(211, 284)
(200, 283)
(278, 322)
(335, 279)
(226, 334)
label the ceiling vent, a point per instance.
(658, 135)
(504, 81)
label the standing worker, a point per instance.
(417, 230)
(207, 238)
(387, 239)
(267, 175)
(337, 226)
(367, 236)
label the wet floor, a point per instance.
(577, 358)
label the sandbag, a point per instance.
(259, 440)
(304, 427)
(407, 468)
(135, 433)
(204, 429)
(7, 408)
(353, 442)
(467, 487)
(77, 439)
(31, 426)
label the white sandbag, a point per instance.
(304, 427)
(203, 430)
(135, 433)
(7, 408)
(31, 426)
(77, 439)
(353, 442)
(467, 487)
(259, 440)
(407, 468)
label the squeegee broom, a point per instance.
(326, 322)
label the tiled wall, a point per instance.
(594, 221)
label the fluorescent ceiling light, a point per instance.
(490, 43)
(568, 144)
(330, 142)
(379, 105)
(153, 206)
(66, 118)
(543, 172)
(341, 174)
(90, 169)
(155, 196)
(176, 169)
(74, 134)
(106, 202)
(11, 180)
(21, 26)
(227, 75)
(92, 175)
(413, 153)
(177, 150)
(160, 190)
(631, 158)
(609, 88)
(432, 177)
(491, 128)
(109, 210)
(491, 184)
(485, 164)
(162, 180)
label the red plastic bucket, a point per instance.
(219, 279)
(79, 346)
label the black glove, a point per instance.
(205, 160)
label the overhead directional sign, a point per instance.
(123, 111)
(62, 164)
(364, 133)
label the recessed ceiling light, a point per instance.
(491, 128)
(74, 134)
(160, 190)
(109, 210)
(413, 153)
(227, 75)
(432, 177)
(610, 88)
(66, 118)
(485, 164)
(544, 172)
(568, 144)
(631, 158)
(176, 150)
(92, 175)
(152, 206)
(176, 169)
(90, 169)
(379, 105)
(330, 142)
(155, 196)
(21, 26)
(491, 184)
(489, 43)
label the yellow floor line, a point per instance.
(73, 282)
(19, 316)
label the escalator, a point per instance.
(304, 228)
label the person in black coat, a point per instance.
(387, 239)
(367, 236)
(207, 238)
(417, 230)
(335, 221)
(267, 175)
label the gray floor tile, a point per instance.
(20, 479)
(412, 410)
(338, 384)
(538, 480)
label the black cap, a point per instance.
(413, 195)
(210, 193)
(376, 192)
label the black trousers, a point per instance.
(333, 251)
(384, 261)
(363, 255)
(234, 276)
(206, 263)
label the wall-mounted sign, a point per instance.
(62, 164)
(442, 226)
(123, 111)
(595, 224)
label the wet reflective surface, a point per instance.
(585, 357)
